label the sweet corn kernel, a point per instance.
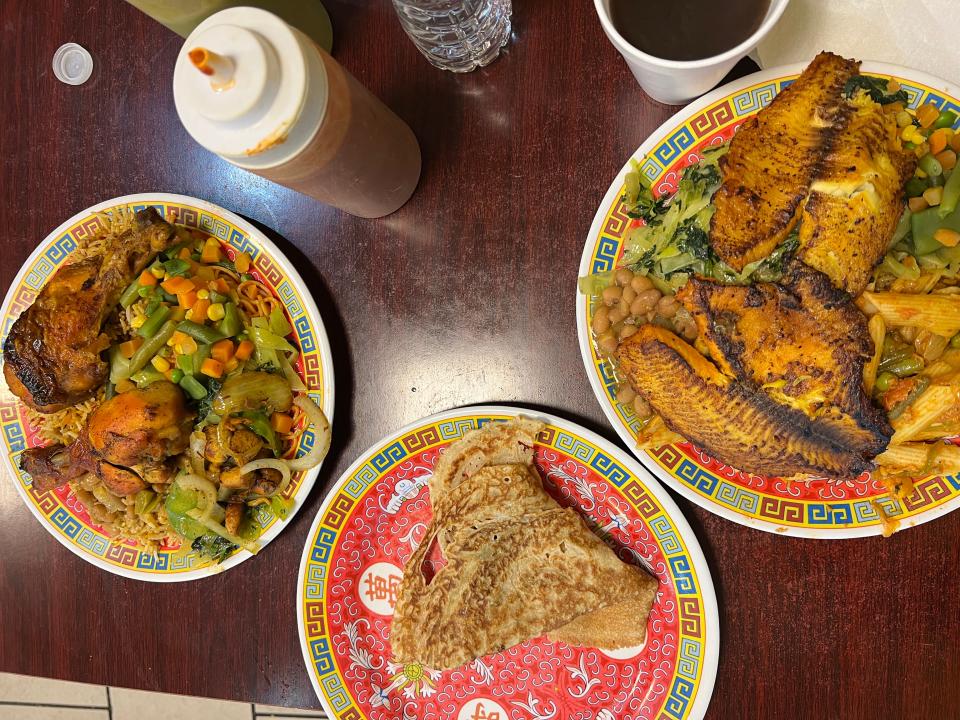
(138, 322)
(933, 195)
(160, 364)
(907, 132)
(215, 311)
(203, 294)
(171, 342)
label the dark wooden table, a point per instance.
(465, 295)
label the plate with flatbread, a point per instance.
(493, 562)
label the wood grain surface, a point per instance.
(465, 295)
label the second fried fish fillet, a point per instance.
(733, 421)
(803, 343)
(856, 199)
(773, 158)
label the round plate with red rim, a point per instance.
(813, 507)
(376, 515)
(58, 510)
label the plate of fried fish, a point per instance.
(769, 300)
(490, 563)
(168, 387)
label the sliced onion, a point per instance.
(296, 384)
(202, 487)
(281, 465)
(198, 445)
(321, 432)
(215, 527)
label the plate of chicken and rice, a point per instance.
(168, 387)
(769, 300)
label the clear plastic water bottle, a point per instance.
(456, 35)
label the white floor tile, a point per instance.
(269, 711)
(23, 688)
(45, 712)
(138, 705)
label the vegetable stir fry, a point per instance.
(200, 320)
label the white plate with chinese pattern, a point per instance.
(812, 507)
(375, 516)
(59, 511)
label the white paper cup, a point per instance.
(676, 82)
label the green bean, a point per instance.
(911, 397)
(200, 332)
(144, 291)
(915, 187)
(907, 366)
(152, 346)
(193, 387)
(147, 376)
(176, 267)
(930, 165)
(885, 381)
(130, 295)
(946, 119)
(230, 325)
(951, 194)
(177, 375)
(154, 322)
(216, 297)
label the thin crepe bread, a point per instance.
(494, 444)
(507, 581)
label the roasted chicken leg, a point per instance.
(51, 358)
(126, 442)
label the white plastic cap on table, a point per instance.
(72, 64)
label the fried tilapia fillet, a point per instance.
(836, 167)
(783, 394)
(856, 198)
(773, 159)
(51, 358)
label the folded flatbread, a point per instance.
(518, 566)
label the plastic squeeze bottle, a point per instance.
(261, 95)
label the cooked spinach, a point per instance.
(213, 546)
(876, 88)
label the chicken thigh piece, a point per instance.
(126, 443)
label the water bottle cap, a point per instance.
(72, 64)
(240, 82)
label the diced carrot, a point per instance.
(147, 279)
(231, 365)
(242, 262)
(184, 253)
(211, 251)
(204, 272)
(917, 204)
(281, 422)
(938, 140)
(946, 236)
(169, 374)
(178, 337)
(128, 348)
(178, 285)
(211, 367)
(927, 115)
(222, 350)
(188, 299)
(199, 310)
(947, 159)
(244, 350)
(892, 85)
(220, 285)
(955, 142)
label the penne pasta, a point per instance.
(932, 403)
(878, 330)
(939, 314)
(938, 458)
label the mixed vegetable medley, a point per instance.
(204, 322)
